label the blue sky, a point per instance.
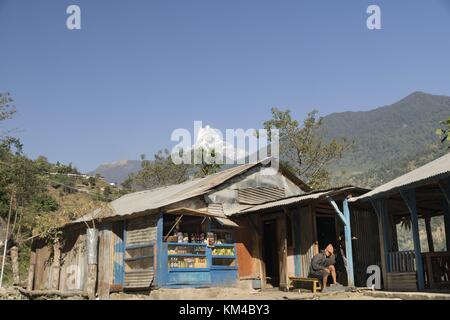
(140, 69)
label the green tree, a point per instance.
(444, 131)
(128, 183)
(159, 172)
(303, 148)
(107, 192)
(207, 167)
(7, 108)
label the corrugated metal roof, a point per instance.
(160, 197)
(432, 170)
(321, 194)
(227, 222)
(164, 196)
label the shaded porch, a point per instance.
(414, 223)
(287, 233)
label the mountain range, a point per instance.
(118, 171)
(386, 141)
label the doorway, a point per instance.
(326, 231)
(270, 252)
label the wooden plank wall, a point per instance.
(105, 260)
(401, 281)
(43, 266)
(307, 226)
(255, 260)
(73, 260)
(244, 248)
(282, 249)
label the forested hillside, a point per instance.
(388, 141)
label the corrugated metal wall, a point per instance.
(140, 238)
(260, 195)
(366, 246)
(73, 260)
(141, 230)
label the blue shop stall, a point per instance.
(195, 250)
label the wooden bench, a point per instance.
(315, 282)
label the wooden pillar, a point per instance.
(296, 234)
(316, 248)
(429, 233)
(409, 196)
(159, 247)
(259, 250)
(105, 261)
(445, 188)
(348, 244)
(380, 205)
(92, 247)
(56, 266)
(258, 265)
(31, 269)
(447, 224)
(282, 249)
(14, 253)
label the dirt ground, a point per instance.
(245, 294)
(275, 294)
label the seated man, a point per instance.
(322, 265)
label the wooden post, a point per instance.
(445, 188)
(430, 276)
(316, 248)
(380, 205)
(105, 263)
(258, 266)
(259, 250)
(92, 247)
(14, 253)
(5, 244)
(429, 234)
(282, 249)
(31, 269)
(409, 197)
(295, 218)
(159, 247)
(56, 266)
(447, 224)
